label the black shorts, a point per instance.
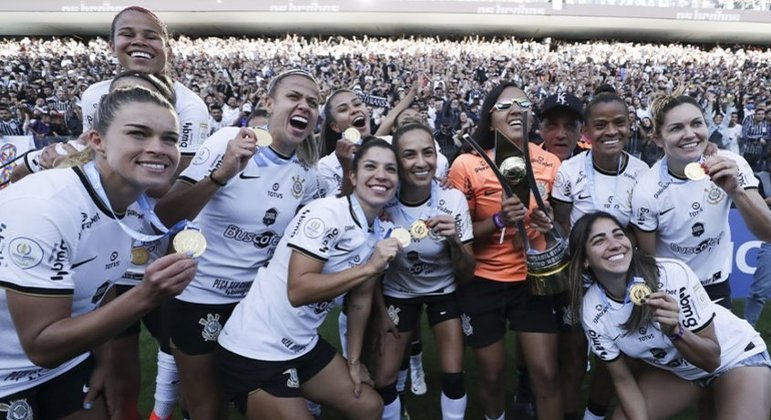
(720, 293)
(405, 313)
(486, 305)
(240, 376)
(152, 320)
(193, 328)
(54, 399)
(565, 320)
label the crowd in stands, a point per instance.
(41, 79)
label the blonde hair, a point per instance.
(665, 102)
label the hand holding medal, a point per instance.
(264, 139)
(190, 242)
(638, 291)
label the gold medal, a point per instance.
(402, 236)
(139, 256)
(190, 241)
(637, 292)
(694, 171)
(264, 139)
(419, 230)
(351, 134)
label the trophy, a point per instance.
(547, 272)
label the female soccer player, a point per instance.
(66, 249)
(656, 310)
(425, 272)
(242, 197)
(271, 355)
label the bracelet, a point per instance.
(497, 221)
(217, 183)
(678, 335)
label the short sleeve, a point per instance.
(461, 178)
(209, 155)
(329, 179)
(35, 258)
(312, 189)
(696, 308)
(193, 122)
(313, 231)
(463, 223)
(645, 213)
(600, 341)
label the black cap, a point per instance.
(564, 101)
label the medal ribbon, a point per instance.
(377, 232)
(144, 204)
(589, 168)
(425, 213)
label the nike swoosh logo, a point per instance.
(666, 211)
(243, 176)
(489, 192)
(78, 264)
(583, 197)
(337, 247)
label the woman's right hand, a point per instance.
(385, 251)
(237, 154)
(168, 276)
(345, 149)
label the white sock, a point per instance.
(453, 409)
(501, 417)
(342, 329)
(393, 411)
(401, 380)
(166, 385)
(588, 415)
(313, 407)
(416, 362)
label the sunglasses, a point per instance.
(504, 105)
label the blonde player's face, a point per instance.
(140, 145)
(683, 134)
(294, 110)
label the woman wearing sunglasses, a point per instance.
(498, 292)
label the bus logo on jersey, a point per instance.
(25, 253)
(697, 229)
(100, 292)
(17, 410)
(297, 186)
(293, 381)
(211, 327)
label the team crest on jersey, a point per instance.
(270, 217)
(293, 381)
(715, 194)
(465, 322)
(25, 253)
(297, 186)
(17, 410)
(211, 327)
(393, 313)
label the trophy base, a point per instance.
(547, 271)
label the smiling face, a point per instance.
(139, 42)
(348, 110)
(294, 110)
(509, 121)
(139, 147)
(683, 135)
(560, 132)
(608, 250)
(375, 178)
(607, 125)
(417, 158)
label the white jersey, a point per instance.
(193, 115)
(331, 171)
(588, 188)
(602, 319)
(142, 253)
(265, 326)
(244, 220)
(690, 218)
(425, 267)
(57, 239)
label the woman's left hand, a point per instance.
(666, 311)
(723, 172)
(96, 384)
(443, 225)
(359, 375)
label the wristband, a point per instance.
(678, 335)
(215, 181)
(497, 221)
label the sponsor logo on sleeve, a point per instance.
(25, 253)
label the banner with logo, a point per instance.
(745, 255)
